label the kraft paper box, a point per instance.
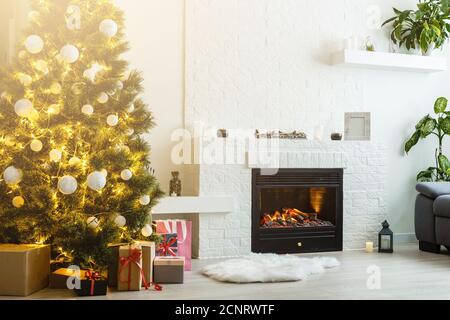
(148, 255)
(130, 268)
(24, 269)
(169, 270)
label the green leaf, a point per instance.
(422, 121)
(412, 141)
(423, 40)
(428, 127)
(444, 164)
(389, 21)
(425, 176)
(440, 105)
(444, 125)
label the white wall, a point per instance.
(155, 29)
(265, 64)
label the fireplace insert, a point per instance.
(297, 211)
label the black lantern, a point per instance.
(386, 239)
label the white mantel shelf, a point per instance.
(181, 205)
(389, 61)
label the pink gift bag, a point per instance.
(183, 229)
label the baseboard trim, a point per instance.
(405, 238)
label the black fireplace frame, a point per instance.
(297, 240)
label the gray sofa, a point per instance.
(432, 216)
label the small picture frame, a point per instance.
(357, 126)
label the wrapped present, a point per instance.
(168, 245)
(183, 229)
(148, 255)
(24, 269)
(58, 278)
(169, 269)
(92, 284)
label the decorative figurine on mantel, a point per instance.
(175, 184)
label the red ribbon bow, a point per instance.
(92, 276)
(165, 247)
(135, 257)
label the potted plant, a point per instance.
(426, 28)
(439, 127)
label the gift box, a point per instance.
(92, 284)
(183, 229)
(169, 270)
(148, 255)
(168, 245)
(58, 278)
(130, 272)
(24, 269)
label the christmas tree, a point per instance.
(76, 172)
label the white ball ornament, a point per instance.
(34, 44)
(126, 175)
(112, 120)
(105, 173)
(144, 200)
(18, 202)
(103, 98)
(12, 175)
(23, 108)
(147, 231)
(74, 161)
(69, 53)
(96, 181)
(93, 222)
(67, 185)
(87, 110)
(55, 155)
(120, 221)
(25, 80)
(109, 28)
(36, 145)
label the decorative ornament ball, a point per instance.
(126, 175)
(103, 98)
(93, 222)
(34, 44)
(56, 88)
(36, 145)
(131, 108)
(55, 155)
(109, 28)
(33, 15)
(25, 80)
(23, 108)
(42, 66)
(18, 202)
(54, 109)
(12, 175)
(104, 172)
(88, 110)
(120, 221)
(22, 54)
(144, 200)
(96, 181)
(119, 85)
(69, 53)
(112, 120)
(74, 161)
(147, 230)
(67, 185)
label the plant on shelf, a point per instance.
(426, 28)
(439, 127)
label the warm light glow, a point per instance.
(317, 197)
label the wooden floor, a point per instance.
(406, 274)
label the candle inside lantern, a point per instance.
(369, 246)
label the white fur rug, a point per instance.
(268, 268)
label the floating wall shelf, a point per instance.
(180, 205)
(389, 61)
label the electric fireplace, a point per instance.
(297, 211)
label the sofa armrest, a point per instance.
(433, 190)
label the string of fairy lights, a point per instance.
(29, 114)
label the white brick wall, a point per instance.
(364, 194)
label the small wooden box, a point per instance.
(169, 270)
